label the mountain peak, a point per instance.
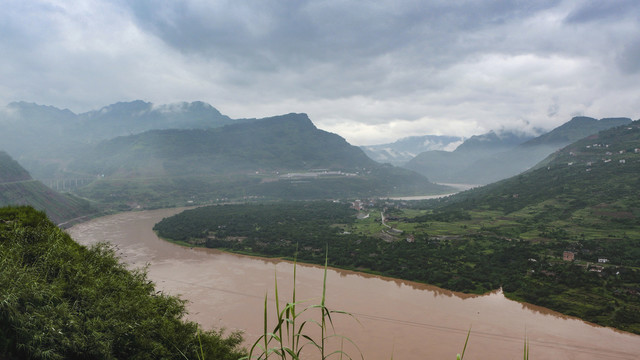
(297, 119)
(129, 107)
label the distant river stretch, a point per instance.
(395, 319)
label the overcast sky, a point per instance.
(371, 71)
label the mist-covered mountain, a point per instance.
(127, 118)
(447, 166)
(281, 143)
(278, 157)
(18, 188)
(476, 163)
(41, 137)
(405, 149)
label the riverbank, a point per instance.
(399, 318)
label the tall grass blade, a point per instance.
(461, 356)
(266, 342)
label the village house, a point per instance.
(596, 268)
(568, 256)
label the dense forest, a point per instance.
(61, 300)
(476, 261)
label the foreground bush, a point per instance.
(61, 300)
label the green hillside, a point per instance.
(592, 182)
(61, 300)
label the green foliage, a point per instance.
(287, 221)
(290, 344)
(60, 300)
(479, 258)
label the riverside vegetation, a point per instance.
(510, 235)
(61, 300)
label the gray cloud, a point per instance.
(371, 71)
(629, 57)
(602, 11)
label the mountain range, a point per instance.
(42, 137)
(278, 157)
(140, 154)
(489, 158)
(592, 179)
(282, 143)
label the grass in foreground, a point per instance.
(290, 335)
(61, 300)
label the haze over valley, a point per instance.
(243, 180)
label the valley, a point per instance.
(405, 319)
(563, 234)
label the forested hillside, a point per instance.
(599, 173)
(564, 235)
(454, 251)
(61, 300)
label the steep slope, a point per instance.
(481, 167)
(10, 170)
(17, 188)
(577, 128)
(279, 157)
(403, 150)
(594, 179)
(61, 300)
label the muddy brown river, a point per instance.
(393, 318)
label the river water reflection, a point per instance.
(398, 319)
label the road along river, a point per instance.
(395, 319)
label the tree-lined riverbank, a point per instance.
(408, 320)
